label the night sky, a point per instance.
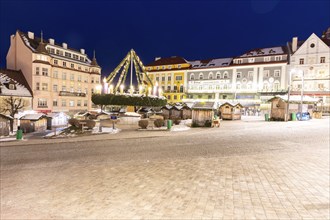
(191, 29)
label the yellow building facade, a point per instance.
(170, 75)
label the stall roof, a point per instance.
(296, 99)
(6, 116)
(232, 104)
(33, 117)
(204, 105)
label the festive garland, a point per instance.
(127, 100)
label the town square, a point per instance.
(164, 109)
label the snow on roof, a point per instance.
(264, 52)
(33, 117)
(296, 99)
(6, 116)
(204, 105)
(18, 90)
(231, 104)
(134, 114)
(221, 62)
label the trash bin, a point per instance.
(19, 134)
(266, 117)
(293, 116)
(169, 124)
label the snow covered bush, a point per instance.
(73, 122)
(143, 123)
(159, 123)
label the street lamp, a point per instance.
(289, 90)
(302, 93)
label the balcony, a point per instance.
(75, 94)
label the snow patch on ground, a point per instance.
(105, 130)
(180, 127)
(7, 139)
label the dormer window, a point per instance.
(179, 66)
(169, 67)
(278, 58)
(266, 59)
(201, 76)
(238, 61)
(271, 51)
(12, 86)
(163, 67)
(251, 60)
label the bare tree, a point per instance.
(12, 105)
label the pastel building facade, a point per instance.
(62, 78)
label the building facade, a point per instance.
(170, 75)
(62, 79)
(309, 67)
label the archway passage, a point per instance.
(130, 61)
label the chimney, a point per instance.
(82, 51)
(64, 45)
(30, 35)
(157, 58)
(294, 44)
(51, 41)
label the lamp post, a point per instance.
(302, 94)
(289, 90)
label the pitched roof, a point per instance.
(168, 61)
(33, 117)
(22, 86)
(231, 104)
(265, 52)
(220, 62)
(296, 99)
(204, 105)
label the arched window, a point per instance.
(210, 75)
(192, 76)
(276, 85)
(218, 76)
(225, 75)
(201, 76)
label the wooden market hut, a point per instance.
(279, 106)
(35, 122)
(166, 111)
(176, 112)
(5, 124)
(203, 114)
(230, 111)
(186, 112)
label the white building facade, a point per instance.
(62, 79)
(310, 67)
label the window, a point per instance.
(37, 86)
(179, 66)
(71, 89)
(67, 54)
(266, 59)
(238, 86)
(59, 52)
(64, 64)
(163, 67)
(265, 86)
(322, 60)
(42, 102)
(168, 97)
(169, 78)
(157, 78)
(218, 76)
(169, 67)
(64, 76)
(55, 74)
(217, 87)
(54, 88)
(181, 88)
(320, 86)
(64, 88)
(175, 88)
(44, 87)
(276, 86)
(79, 103)
(278, 58)
(175, 97)
(250, 74)
(225, 86)
(79, 67)
(301, 61)
(238, 61)
(76, 57)
(251, 60)
(11, 86)
(55, 102)
(178, 78)
(163, 78)
(85, 103)
(249, 86)
(266, 73)
(157, 68)
(82, 59)
(277, 73)
(92, 81)
(239, 75)
(37, 71)
(225, 75)
(72, 77)
(201, 76)
(192, 76)
(44, 71)
(63, 102)
(210, 75)
(210, 87)
(71, 103)
(55, 62)
(200, 87)
(72, 65)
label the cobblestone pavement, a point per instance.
(242, 170)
